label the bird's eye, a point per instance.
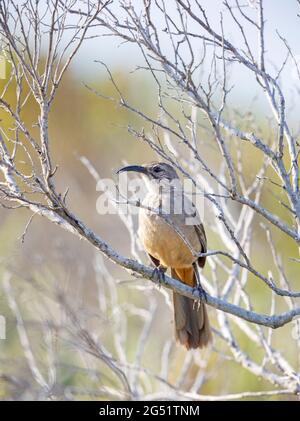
(157, 169)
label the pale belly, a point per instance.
(162, 241)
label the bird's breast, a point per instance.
(161, 240)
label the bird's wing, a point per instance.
(203, 241)
(191, 211)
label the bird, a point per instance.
(170, 241)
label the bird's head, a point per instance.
(154, 171)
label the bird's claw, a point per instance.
(202, 294)
(159, 275)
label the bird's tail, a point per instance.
(192, 328)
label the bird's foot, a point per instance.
(159, 274)
(202, 295)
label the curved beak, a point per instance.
(134, 168)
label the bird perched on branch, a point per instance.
(172, 242)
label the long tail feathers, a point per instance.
(192, 328)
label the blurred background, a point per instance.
(48, 261)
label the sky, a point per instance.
(280, 15)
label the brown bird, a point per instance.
(169, 241)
